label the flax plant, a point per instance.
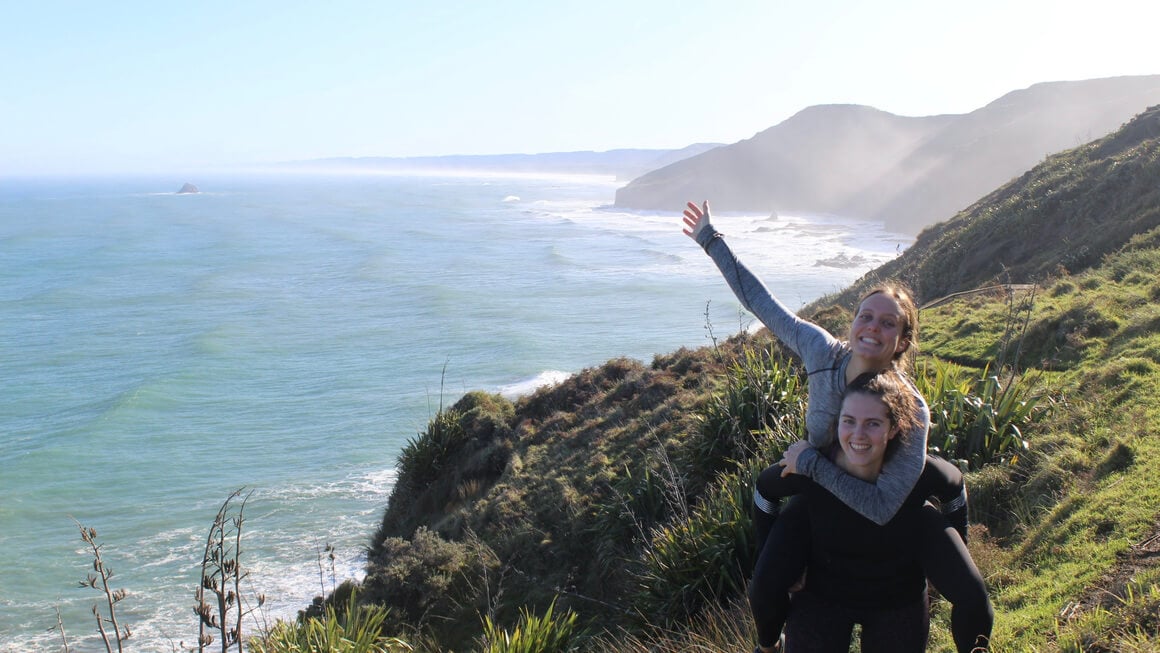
(761, 393)
(219, 596)
(100, 581)
(426, 456)
(354, 629)
(693, 562)
(980, 420)
(547, 633)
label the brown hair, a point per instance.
(905, 298)
(894, 391)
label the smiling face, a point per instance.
(878, 333)
(864, 430)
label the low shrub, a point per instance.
(761, 393)
(547, 633)
(428, 578)
(353, 629)
(701, 559)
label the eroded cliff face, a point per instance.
(907, 172)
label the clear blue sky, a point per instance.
(129, 85)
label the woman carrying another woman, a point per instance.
(861, 572)
(883, 330)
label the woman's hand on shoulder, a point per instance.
(790, 457)
(696, 219)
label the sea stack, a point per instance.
(188, 188)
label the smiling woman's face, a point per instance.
(877, 332)
(864, 430)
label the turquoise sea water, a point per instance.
(289, 334)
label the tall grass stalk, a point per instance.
(719, 628)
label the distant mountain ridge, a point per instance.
(908, 172)
(624, 164)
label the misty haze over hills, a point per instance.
(860, 162)
(849, 160)
(624, 164)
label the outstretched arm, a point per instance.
(803, 337)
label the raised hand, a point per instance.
(696, 219)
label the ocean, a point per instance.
(288, 334)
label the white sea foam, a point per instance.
(528, 386)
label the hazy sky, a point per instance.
(128, 85)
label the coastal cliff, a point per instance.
(622, 494)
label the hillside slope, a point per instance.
(989, 146)
(907, 172)
(1063, 216)
(622, 493)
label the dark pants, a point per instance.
(782, 552)
(949, 567)
(819, 626)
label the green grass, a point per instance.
(1105, 443)
(1056, 519)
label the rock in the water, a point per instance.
(842, 261)
(188, 188)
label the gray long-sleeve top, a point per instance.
(825, 359)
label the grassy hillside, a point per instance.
(620, 497)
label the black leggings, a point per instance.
(820, 626)
(783, 546)
(949, 567)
